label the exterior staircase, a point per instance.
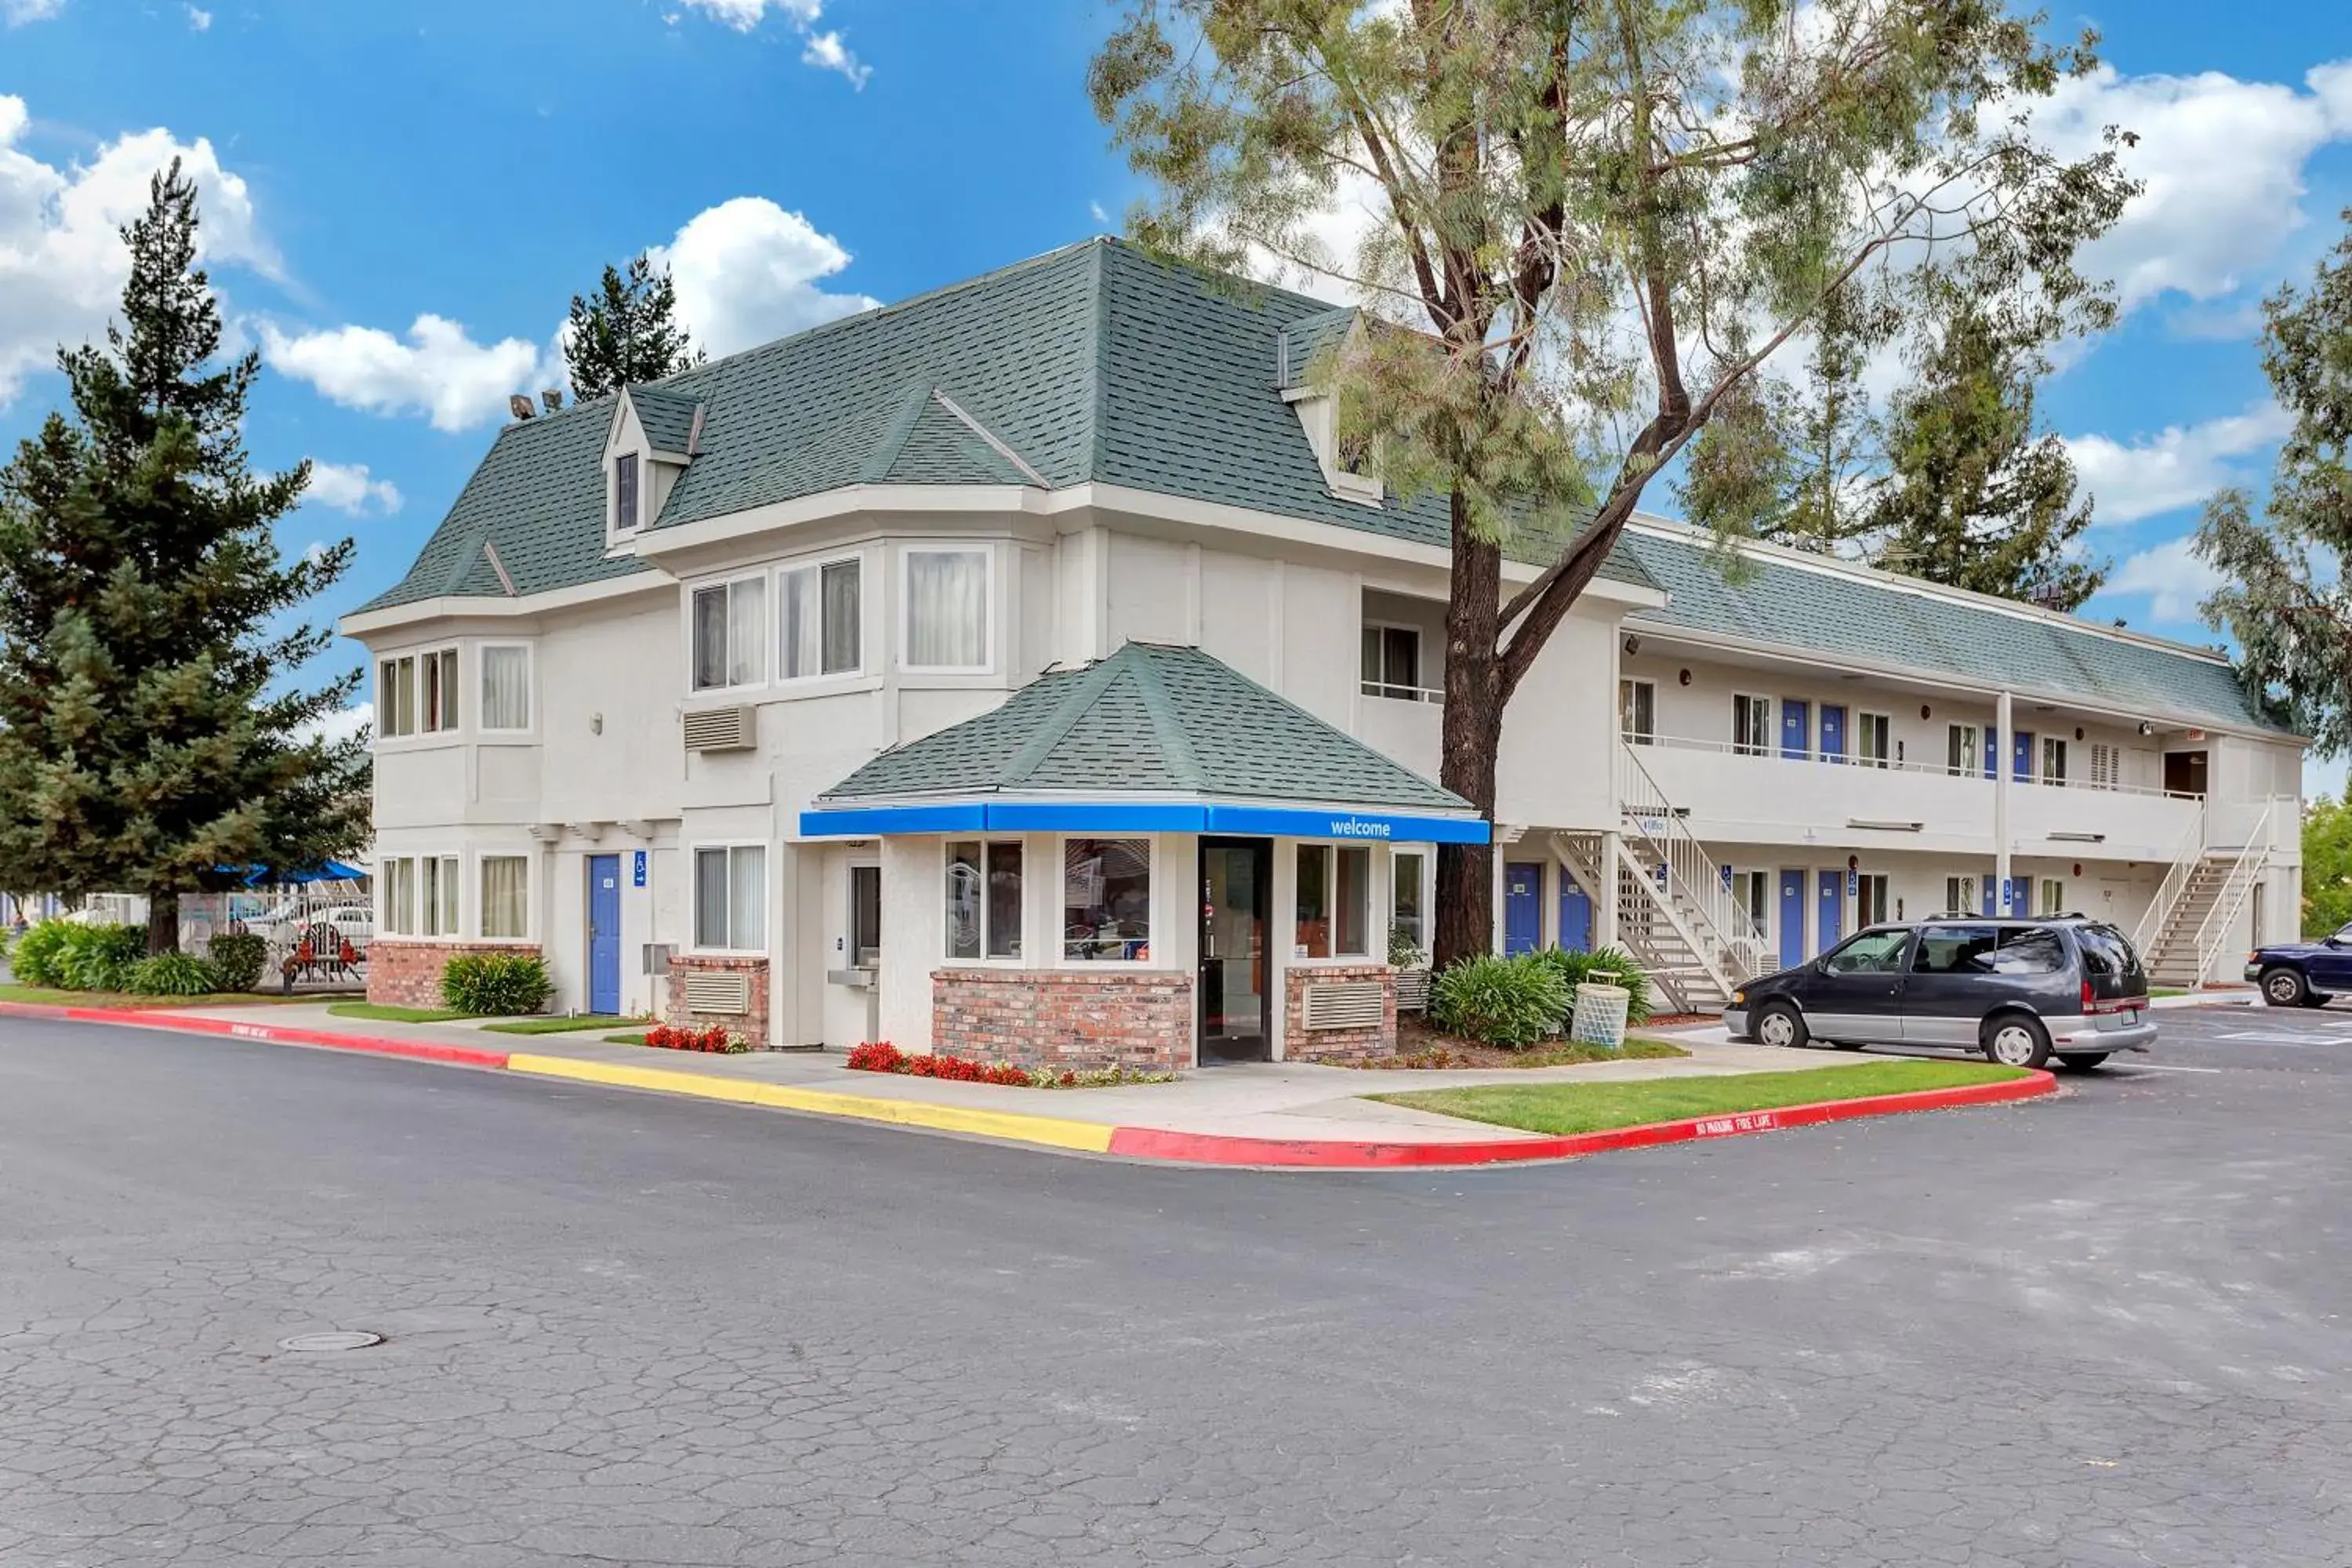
(2196, 906)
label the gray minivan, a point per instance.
(2020, 991)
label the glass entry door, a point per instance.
(1236, 878)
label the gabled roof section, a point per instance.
(1842, 611)
(538, 496)
(1150, 720)
(1297, 348)
(666, 417)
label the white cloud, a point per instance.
(350, 487)
(1101, 214)
(62, 259)
(747, 272)
(199, 20)
(2177, 466)
(2172, 580)
(343, 725)
(823, 50)
(2223, 160)
(16, 12)
(438, 371)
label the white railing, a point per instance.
(1693, 874)
(1393, 693)
(2234, 890)
(2190, 855)
(1773, 753)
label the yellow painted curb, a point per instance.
(1053, 1131)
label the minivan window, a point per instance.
(2029, 949)
(1870, 952)
(2107, 952)
(1955, 950)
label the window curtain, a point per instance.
(843, 650)
(946, 609)
(711, 898)
(747, 621)
(506, 689)
(747, 898)
(710, 638)
(505, 907)
(400, 896)
(803, 615)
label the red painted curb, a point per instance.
(274, 1034)
(1212, 1149)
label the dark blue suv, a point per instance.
(2020, 991)
(2302, 973)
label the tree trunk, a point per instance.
(1473, 735)
(163, 922)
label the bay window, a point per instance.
(946, 609)
(416, 694)
(730, 634)
(983, 899)
(437, 880)
(506, 896)
(1106, 898)
(1334, 901)
(506, 686)
(731, 898)
(818, 608)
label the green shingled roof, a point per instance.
(1835, 612)
(1150, 720)
(666, 416)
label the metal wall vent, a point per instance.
(1346, 1005)
(726, 994)
(733, 729)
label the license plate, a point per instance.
(2131, 1016)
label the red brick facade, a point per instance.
(1300, 1043)
(1067, 1019)
(408, 973)
(751, 1025)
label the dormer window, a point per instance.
(624, 492)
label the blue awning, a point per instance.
(272, 877)
(1141, 816)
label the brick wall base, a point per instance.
(1072, 1020)
(408, 973)
(1299, 1044)
(751, 1025)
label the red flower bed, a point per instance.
(881, 1056)
(716, 1040)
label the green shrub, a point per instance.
(1574, 968)
(172, 974)
(99, 957)
(39, 955)
(239, 957)
(1510, 1001)
(495, 984)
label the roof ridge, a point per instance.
(1176, 746)
(913, 400)
(1085, 689)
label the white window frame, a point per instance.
(482, 900)
(727, 584)
(1629, 688)
(636, 522)
(1016, 959)
(2052, 747)
(694, 853)
(1753, 895)
(453, 715)
(1427, 861)
(530, 688)
(412, 662)
(1863, 720)
(2049, 895)
(424, 912)
(1152, 936)
(1741, 745)
(1867, 883)
(1974, 751)
(1381, 686)
(988, 610)
(818, 565)
(400, 869)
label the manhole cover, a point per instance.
(345, 1339)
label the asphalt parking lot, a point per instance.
(2104, 1328)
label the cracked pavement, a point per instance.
(2107, 1329)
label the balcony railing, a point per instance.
(1938, 770)
(1396, 693)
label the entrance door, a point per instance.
(1793, 919)
(2184, 772)
(2020, 755)
(1796, 727)
(1830, 911)
(604, 933)
(1522, 907)
(1575, 917)
(1236, 886)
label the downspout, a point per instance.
(2004, 770)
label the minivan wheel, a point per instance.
(2285, 988)
(2014, 1041)
(2083, 1061)
(1780, 1024)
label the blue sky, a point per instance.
(403, 197)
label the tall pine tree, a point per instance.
(626, 333)
(150, 731)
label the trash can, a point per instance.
(1600, 1015)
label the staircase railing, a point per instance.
(2190, 853)
(2234, 890)
(1694, 877)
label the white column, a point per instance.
(1606, 933)
(2002, 768)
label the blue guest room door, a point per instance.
(1833, 732)
(1522, 907)
(1796, 728)
(1829, 914)
(604, 933)
(1793, 919)
(1575, 916)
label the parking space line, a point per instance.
(2167, 1067)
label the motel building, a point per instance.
(1019, 671)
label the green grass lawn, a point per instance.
(47, 997)
(384, 1013)
(1568, 1053)
(1561, 1109)
(2155, 990)
(637, 1039)
(555, 1026)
